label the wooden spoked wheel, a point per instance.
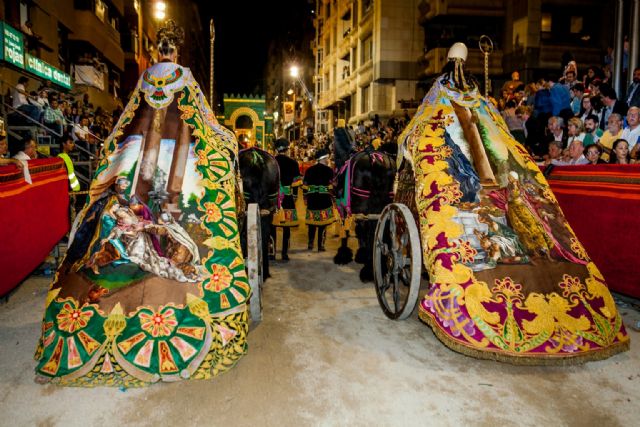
(254, 261)
(397, 261)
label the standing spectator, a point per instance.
(613, 132)
(589, 77)
(29, 150)
(576, 92)
(611, 104)
(620, 153)
(542, 102)
(67, 146)
(588, 109)
(633, 93)
(510, 86)
(560, 100)
(592, 131)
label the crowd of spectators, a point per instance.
(573, 121)
(62, 113)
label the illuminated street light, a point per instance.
(159, 10)
(294, 71)
(290, 92)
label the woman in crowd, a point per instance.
(587, 108)
(592, 153)
(575, 130)
(620, 153)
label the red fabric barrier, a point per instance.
(602, 204)
(33, 217)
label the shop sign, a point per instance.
(13, 45)
(41, 69)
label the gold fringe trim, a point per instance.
(522, 360)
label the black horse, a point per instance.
(261, 183)
(364, 186)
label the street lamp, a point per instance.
(159, 10)
(294, 71)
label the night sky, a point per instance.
(243, 32)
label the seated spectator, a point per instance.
(42, 99)
(592, 132)
(554, 152)
(80, 131)
(632, 132)
(29, 150)
(4, 153)
(613, 132)
(633, 93)
(53, 117)
(576, 92)
(620, 153)
(555, 131)
(592, 154)
(21, 101)
(575, 155)
(575, 130)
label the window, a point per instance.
(24, 13)
(545, 24)
(365, 98)
(576, 24)
(366, 47)
(101, 10)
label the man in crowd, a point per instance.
(66, 146)
(592, 132)
(21, 101)
(80, 132)
(633, 93)
(613, 132)
(611, 104)
(29, 150)
(631, 134)
(575, 155)
(576, 91)
(555, 131)
(53, 117)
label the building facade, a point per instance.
(367, 54)
(534, 37)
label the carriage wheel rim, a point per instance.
(401, 267)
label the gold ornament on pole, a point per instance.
(212, 32)
(486, 47)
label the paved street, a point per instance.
(326, 355)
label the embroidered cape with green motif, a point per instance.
(153, 286)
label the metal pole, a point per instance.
(634, 47)
(212, 32)
(618, 47)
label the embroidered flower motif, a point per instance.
(71, 319)
(466, 252)
(158, 324)
(578, 249)
(220, 278)
(213, 212)
(508, 289)
(571, 285)
(451, 193)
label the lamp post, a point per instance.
(159, 10)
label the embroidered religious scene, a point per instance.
(153, 286)
(508, 279)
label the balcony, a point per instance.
(104, 38)
(430, 9)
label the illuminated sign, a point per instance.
(13, 45)
(41, 69)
